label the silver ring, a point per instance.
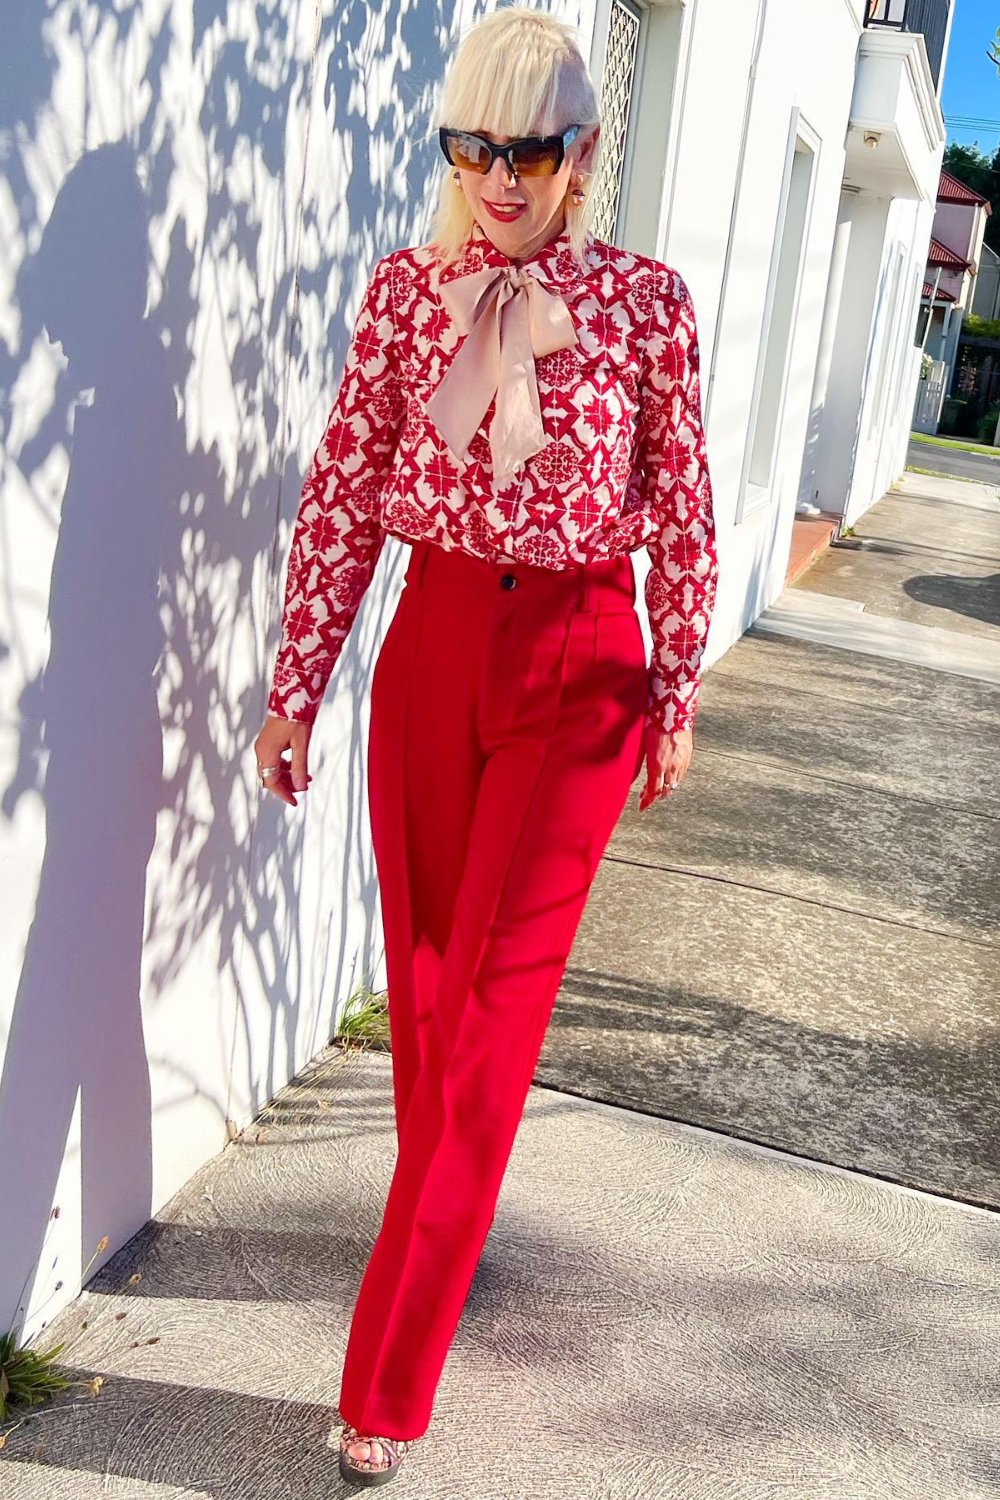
(265, 771)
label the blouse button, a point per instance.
(508, 581)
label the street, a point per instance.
(979, 466)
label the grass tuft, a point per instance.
(28, 1376)
(365, 1020)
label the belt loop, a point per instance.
(587, 600)
(420, 552)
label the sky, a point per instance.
(971, 83)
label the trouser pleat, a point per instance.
(476, 949)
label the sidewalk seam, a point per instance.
(766, 890)
(854, 786)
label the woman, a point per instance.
(520, 402)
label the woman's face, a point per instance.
(534, 204)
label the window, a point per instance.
(639, 56)
(618, 89)
(779, 311)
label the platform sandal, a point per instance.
(385, 1457)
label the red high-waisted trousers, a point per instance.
(507, 707)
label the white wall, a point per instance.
(862, 408)
(721, 226)
(172, 947)
(852, 368)
(892, 362)
(864, 283)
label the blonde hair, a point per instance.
(516, 72)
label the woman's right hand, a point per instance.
(277, 736)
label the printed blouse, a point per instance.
(619, 456)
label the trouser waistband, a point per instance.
(604, 584)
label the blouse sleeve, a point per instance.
(337, 537)
(680, 586)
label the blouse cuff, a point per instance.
(672, 709)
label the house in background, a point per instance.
(949, 287)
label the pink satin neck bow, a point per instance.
(509, 319)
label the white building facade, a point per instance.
(181, 268)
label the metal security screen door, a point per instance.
(617, 89)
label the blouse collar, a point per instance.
(554, 263)
(509, 312)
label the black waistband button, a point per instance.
(508, 581)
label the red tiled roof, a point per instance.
(951, 190)
(939, 296)
(940, 255)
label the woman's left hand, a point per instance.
(667, 759)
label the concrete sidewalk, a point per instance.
(813, 948)
(799, 949)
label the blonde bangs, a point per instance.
(516, 72)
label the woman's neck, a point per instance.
(478, 232)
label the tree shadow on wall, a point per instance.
(166, 554)
(76, 1028)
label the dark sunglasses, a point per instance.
(531, 156)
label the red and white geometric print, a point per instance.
(624, 467)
